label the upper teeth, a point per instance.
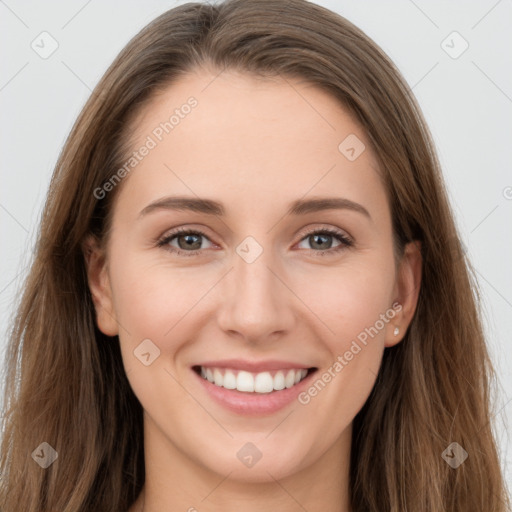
(262, 382)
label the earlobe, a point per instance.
(407, 290)
(99, 285)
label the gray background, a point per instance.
(467, 102)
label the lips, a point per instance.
(253, 387)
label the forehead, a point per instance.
(245, 138)
(258, 107)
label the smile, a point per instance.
(250, 382)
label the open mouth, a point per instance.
(252, 382)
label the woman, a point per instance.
(183, 341)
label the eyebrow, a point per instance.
(211, 207)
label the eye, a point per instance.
(322, 239)
(189, 243)
(188, 240)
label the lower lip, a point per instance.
(254, 403)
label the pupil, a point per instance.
(189, 245)
(324, 237)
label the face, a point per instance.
(261, 280)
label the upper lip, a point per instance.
(253, 366)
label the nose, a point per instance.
(255, 301)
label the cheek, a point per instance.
(354, 303)
(153, 304)
(151, 297)
(350, 298)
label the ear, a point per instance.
(406, 291)
(99, 285)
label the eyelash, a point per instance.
(345, 241)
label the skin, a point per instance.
(254, 145)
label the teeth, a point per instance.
(217, 377)
(229, 380)
(279, 381)
(262, 382)
(289, 380)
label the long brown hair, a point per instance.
(65, 382)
